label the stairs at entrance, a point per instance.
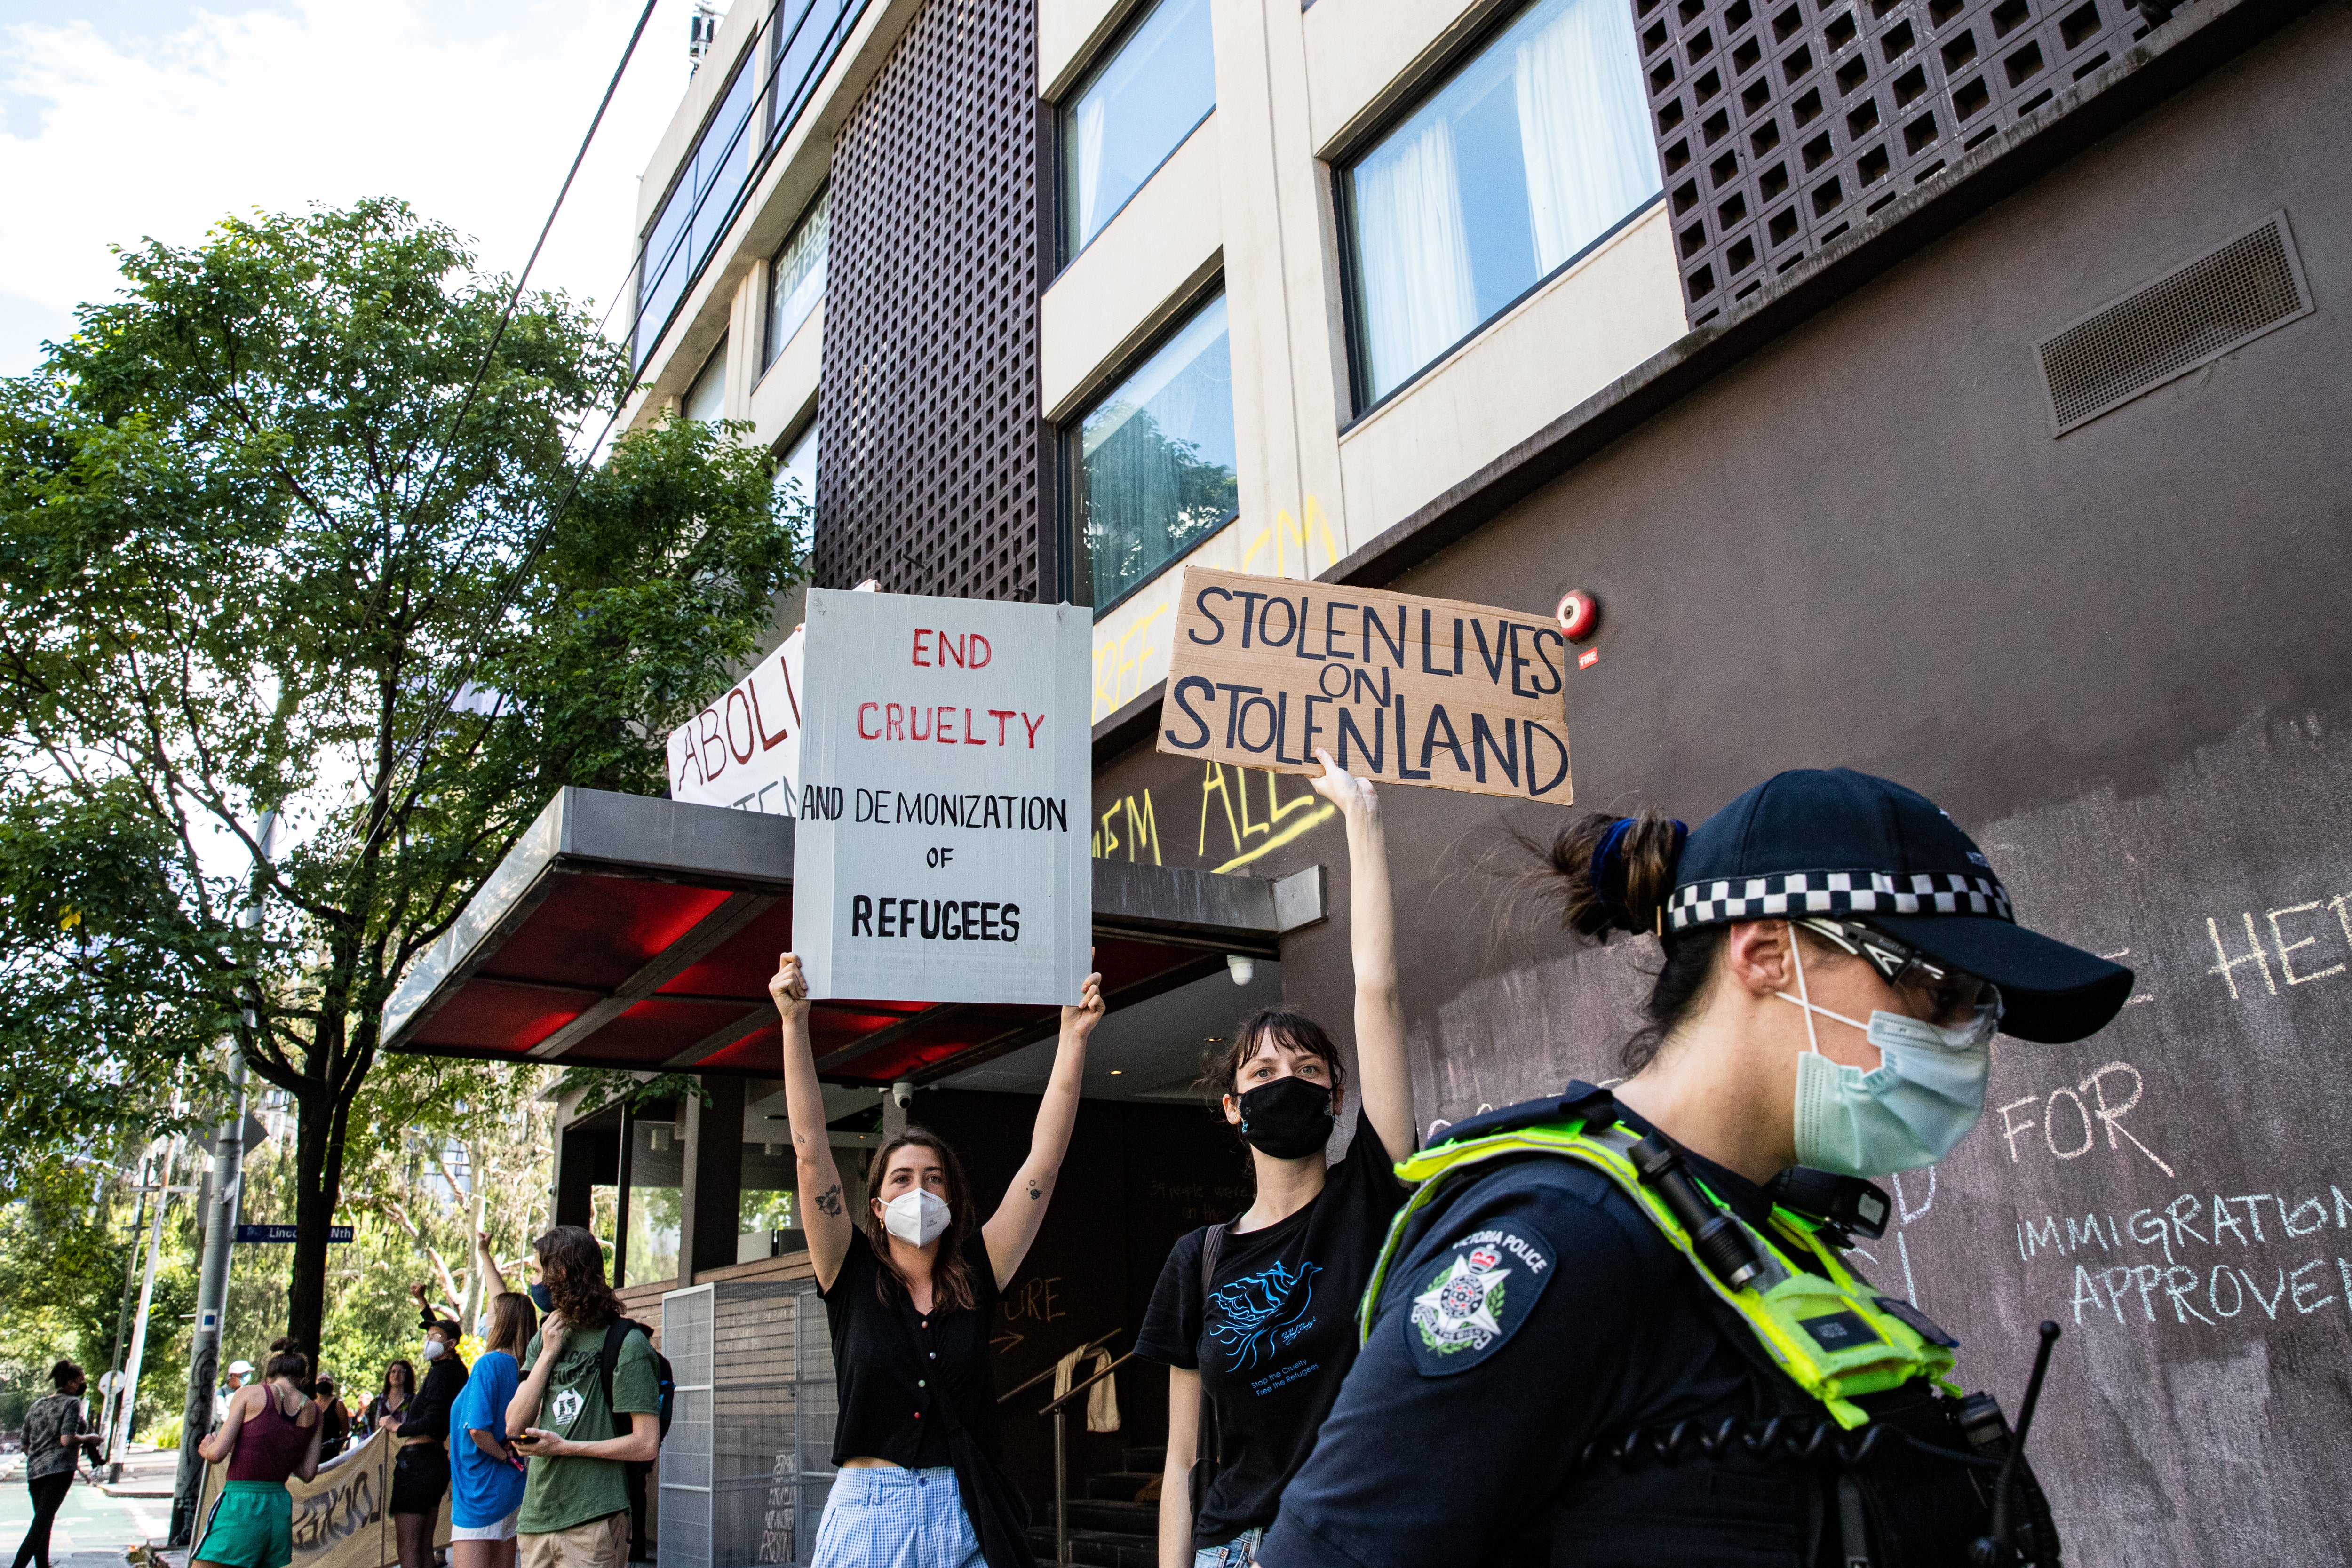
(1108, 1529)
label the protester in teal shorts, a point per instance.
(271, 1432)
(577, 1434)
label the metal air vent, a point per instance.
(2191, 316)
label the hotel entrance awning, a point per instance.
(625, 931)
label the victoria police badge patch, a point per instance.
(1476, 1296)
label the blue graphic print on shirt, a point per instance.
(1259, 1313)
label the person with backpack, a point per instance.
(590, 1406)
(1251, 1318)
(910, 1286)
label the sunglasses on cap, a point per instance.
(1950, 993)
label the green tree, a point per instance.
(294, 525)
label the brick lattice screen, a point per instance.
(929, 473)
(1783, 123)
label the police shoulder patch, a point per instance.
(1475, 1294)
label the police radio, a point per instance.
(1720, 1241)
(1847, 1205)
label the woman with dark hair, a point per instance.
(272, 1431)
(336, 1430)
(1251, 1316)
(56, 1430)
(391, 1399)
(575, 1500)
(420, 1470)
(909, 1286)
(486, 1475)
(1619, 1325)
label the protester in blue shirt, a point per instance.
(486, 1478)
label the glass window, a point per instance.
(707, 399)
(1138, 108)
(799, 465)
(796, 279)
(696, 211)
(1532, 151)
(1155, 465)
(807, 34)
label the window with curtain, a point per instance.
(707, 399)
(796, 279)
(1531, 150)
(1137, 108)
(695, 213)
(1155, 470)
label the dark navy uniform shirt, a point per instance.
(1532, 1307)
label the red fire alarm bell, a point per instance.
(1580, 615)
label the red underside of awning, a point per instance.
(594, 932)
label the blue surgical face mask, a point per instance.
(1914, 1109)
(482, 1328)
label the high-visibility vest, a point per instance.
(1832, 1333)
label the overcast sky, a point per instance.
(122, 119)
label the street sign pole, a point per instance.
(212, 1285)
(126, 1396)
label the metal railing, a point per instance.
(1059, 1409)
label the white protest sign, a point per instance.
(744, 749)
(946, 770)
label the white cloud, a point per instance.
(470, 112)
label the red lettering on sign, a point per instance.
(969, 739)
(741, 753)
(863, 710)
(1033, 728)
(708, 722)
(894, 724)
(1001, 715)
(980, 652)
(921, 633)
(941, 729)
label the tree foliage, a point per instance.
(294, 526)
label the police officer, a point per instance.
(1618, 1328)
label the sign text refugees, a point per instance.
(943, 850)
(1396, 688)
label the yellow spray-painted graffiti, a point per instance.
(1131, 825)
(1143, 830)
(1283, 532)
(1228, 788)
(1118, 657)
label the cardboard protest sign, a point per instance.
(1396, 688)
(744, 749)
(942, 852)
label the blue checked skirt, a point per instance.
(888, 1517)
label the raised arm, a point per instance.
(1372, 935)
(494, 1280)
(1013, 1225)
(823, 1212)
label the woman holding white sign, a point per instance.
(909, 1287)
(1253, 1317)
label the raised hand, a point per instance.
(789, 987)
(1081, 1019)
(1343, 789)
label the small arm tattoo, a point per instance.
(1033, 1193)
(829, 1201)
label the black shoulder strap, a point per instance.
(1211, 1244)
(1208, 1446)
(616, 1334)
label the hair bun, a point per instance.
(1619, 871)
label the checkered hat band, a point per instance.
(1802, 893)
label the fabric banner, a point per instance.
(1396, 688)
(341, 1517)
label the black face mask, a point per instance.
(1286, 1119)
(542, 1298)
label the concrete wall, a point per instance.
(2118, 657)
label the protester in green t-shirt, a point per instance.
(575, 1504)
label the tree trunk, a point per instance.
(318, 1183)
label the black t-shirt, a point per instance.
(1532, 1309)
(892, 1364)
(1280, 1331)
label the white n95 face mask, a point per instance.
(915, 1218)
(1911, 1110)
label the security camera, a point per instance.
(903, 1091)
(1243, 969)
